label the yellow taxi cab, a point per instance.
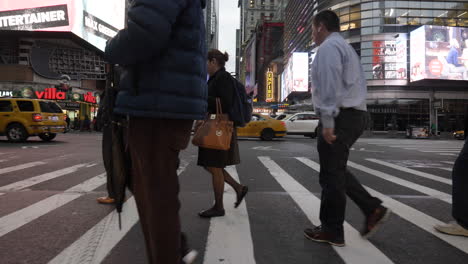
(21, 118)
(264, 127)
(459, 134)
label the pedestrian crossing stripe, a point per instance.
(26, 215)
(21, 167)
(414, 216)
(414, 172)
(358, 250)
(41, 178)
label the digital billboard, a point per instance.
(296, 74)
(94, 21)
(439, 52)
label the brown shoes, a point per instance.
(373, 221)
(318, 235)
(105, 200)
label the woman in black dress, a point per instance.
(220, 85)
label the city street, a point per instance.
(49, 213)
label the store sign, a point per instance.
(95, 21)
(6, 93)
(89, 98)
(269, 90)
(34, 18)
(69, 105)
(51, 94)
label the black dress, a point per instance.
(220, 85)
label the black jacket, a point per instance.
(220, 85)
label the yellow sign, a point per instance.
(269, 90)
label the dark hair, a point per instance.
(329, 19)
(220, 57)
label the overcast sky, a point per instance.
(228, 23)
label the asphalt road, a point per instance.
(49, 214)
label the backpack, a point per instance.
(241, 111)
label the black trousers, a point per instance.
(154, 148)
(460, 187)
(336, 180)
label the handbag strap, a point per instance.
(219, 109)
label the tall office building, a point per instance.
(252, 11)
(212, 23)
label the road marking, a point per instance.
(449, 162)
(41, 178)
(411, 171)
(358, 250)
(229, 237)
(98, 242)
(2, 194)
(26, 215)
(91, 165)
(447, 154)
(437, 151)
(21, 167)
(410, 214)
(266, 148)
(446, 169)
(422, 189)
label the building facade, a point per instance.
(212, 23)
(381, 33)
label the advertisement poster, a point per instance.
(439, 52)
(401, 57)
(384, 60)
(300, 72)
(94, 21)
(250, 62)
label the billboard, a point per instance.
(250, 63)
(439, 52)
(296, 74)
(94, 21)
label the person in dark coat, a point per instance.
(459, 227)
(162, 91)
(220, 85)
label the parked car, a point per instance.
(21, 118)
(304, 123)
(264, 127)
(459, 134)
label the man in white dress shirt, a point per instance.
(339, 95)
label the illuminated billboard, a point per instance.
(439, 52)
(250, 69)
(296, 74)
(94, 21)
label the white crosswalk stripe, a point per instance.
(414, 216)
(358, 250)
(40, 178)
(229, 237)
(26, 215)
(21, 167)
(414, 172)
(99, 241)
(408, 184)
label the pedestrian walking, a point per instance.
(459, 227)
(220, 85)
(162, 90)
(67, 120)
(339, 96)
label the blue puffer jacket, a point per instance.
(164, 53)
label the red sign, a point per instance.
(51, 94)
(89, 98)
(436, 67)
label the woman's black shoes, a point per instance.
(241, 195)
(211, 213)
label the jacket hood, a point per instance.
(203, 3)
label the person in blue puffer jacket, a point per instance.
(163, 89)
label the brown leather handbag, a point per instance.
(215, 132)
